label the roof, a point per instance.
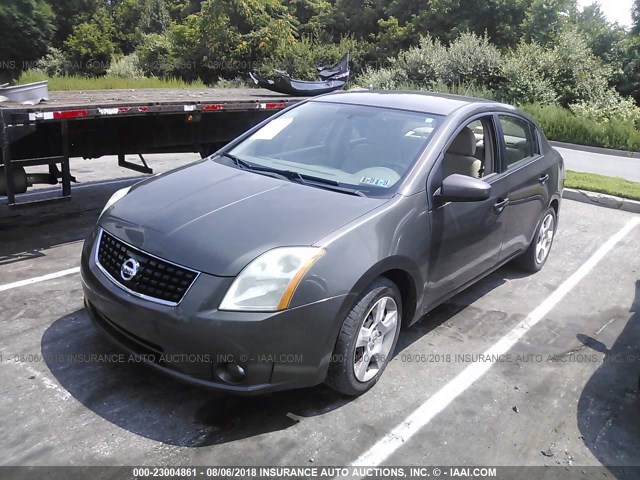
(427, 102)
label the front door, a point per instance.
(466, 237)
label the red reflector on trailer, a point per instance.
(69, 114)
(212, 106)
(143, 109)
(123, 109)
(271, 106)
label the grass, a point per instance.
(72, 82)
(601, 184)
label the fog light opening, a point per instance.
(231, 372)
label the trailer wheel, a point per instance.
(20, 183)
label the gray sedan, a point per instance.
(295, 254)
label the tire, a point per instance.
(355, 368)
(533, 259)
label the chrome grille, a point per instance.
(156, 279)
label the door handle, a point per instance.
(499, 206)
(543, 178)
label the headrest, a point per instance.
(464, 144)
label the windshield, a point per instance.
(368, 149)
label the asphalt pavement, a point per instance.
(564, 393)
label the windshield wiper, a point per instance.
(290, 175)
(325, 183)
(239, 163)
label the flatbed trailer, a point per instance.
(95, 123)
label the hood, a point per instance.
(216, 219)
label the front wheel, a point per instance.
(367, 339)
(534, 258)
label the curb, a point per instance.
(600, 150)
(602, 200)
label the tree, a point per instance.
(128, 17)
(135, 18)
(237, 34)
(69, 13)
(546, 19)
(403, 22)
(90, 46)
(627, 79)
(155, 16)
(601, 35)
(310, 15)
(27, 29)
(635, 17)
(358, 18)
(581, 76)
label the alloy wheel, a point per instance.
(545, 238)
(375, 339)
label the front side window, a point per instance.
(519, 140)
(472, 151)
(365, 148)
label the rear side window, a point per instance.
(519, 139)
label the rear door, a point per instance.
(527, 175)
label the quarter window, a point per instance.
(519, 140)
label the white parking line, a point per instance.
(420, 417)
(43, 278)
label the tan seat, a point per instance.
(460, 159)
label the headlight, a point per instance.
(115, 197)
(268, 283)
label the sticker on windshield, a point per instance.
(377, 182)
(273, 128)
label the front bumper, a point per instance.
(194, 342)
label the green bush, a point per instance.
(388, 78)
(155, 56)
(580, 75)
(127, 66)
(424, 63)
(469, 60)
(562, 125)
(468, 90)
(53, 63)
(608, 106)
(529, 71)
(564, 74)
(472, 60)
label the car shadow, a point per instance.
(149, 404)
(609, 405)
(452, 307)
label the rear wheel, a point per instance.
(367, 339)
(534, 258)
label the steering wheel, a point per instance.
(397, 167)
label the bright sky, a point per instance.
(615, 10)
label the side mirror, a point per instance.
(461, 188)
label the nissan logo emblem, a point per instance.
(129, 269)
